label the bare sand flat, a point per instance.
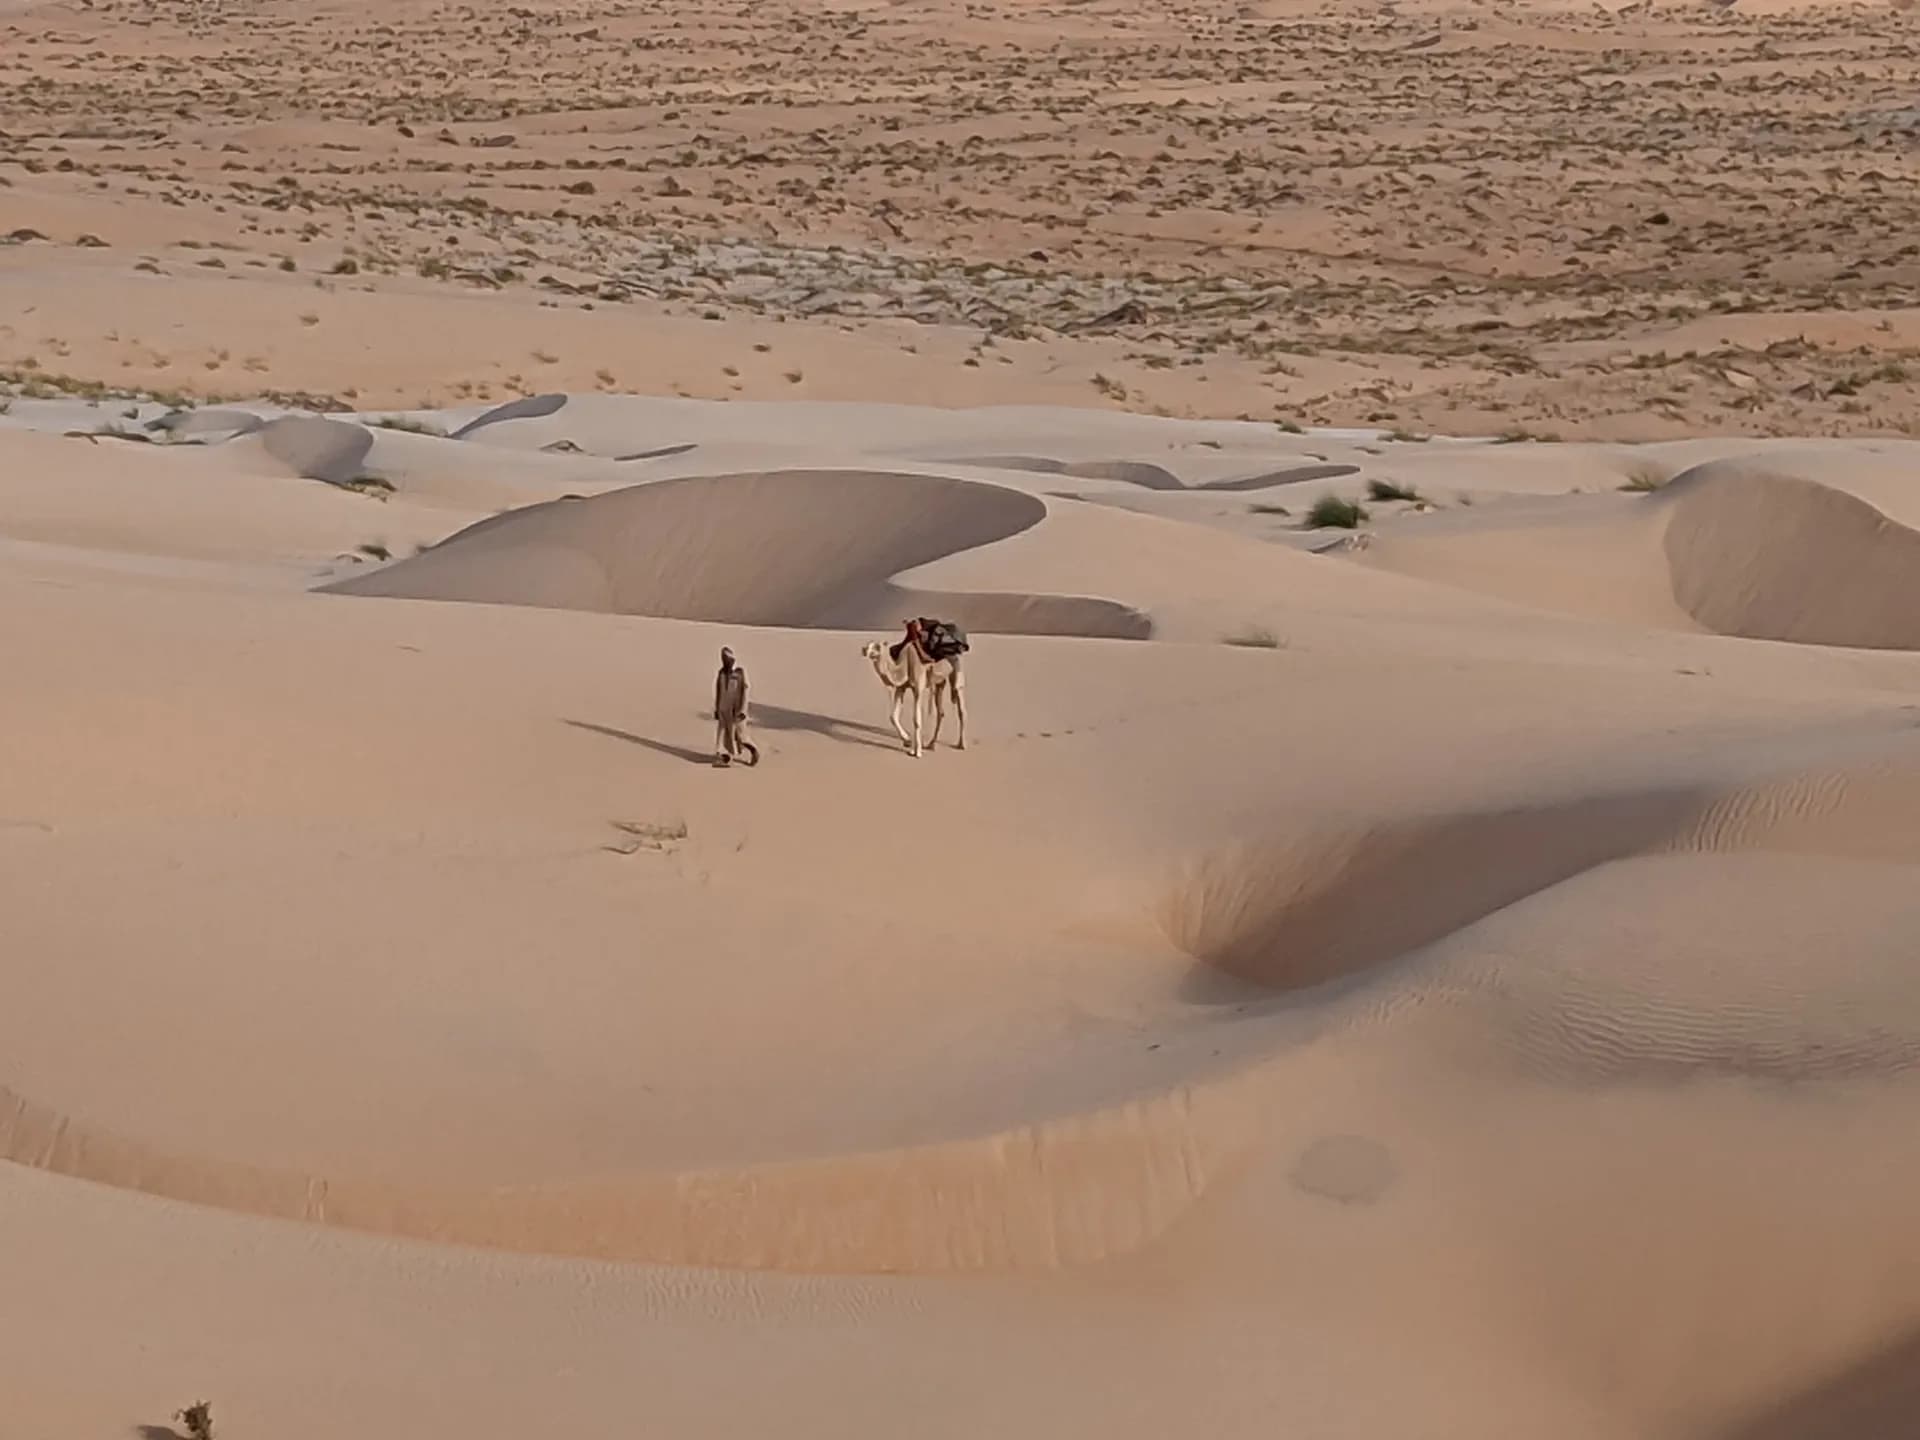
(1420, 941)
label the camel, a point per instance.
(914, 672)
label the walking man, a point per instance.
(730, 713)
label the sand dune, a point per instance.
(1774, 556)
(316, 449)
(1380, 955)
(1079, 1190)
(131, 500)
(1773, 545)
(1297, 914)
(777, 549)
(760, 549)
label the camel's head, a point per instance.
(872, 649)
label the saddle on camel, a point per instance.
(934, 639)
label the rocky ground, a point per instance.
(1634, 224)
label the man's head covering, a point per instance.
(726, 657)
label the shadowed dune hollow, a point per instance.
(1379, 906)
(1299, 911)
(805, 548)
(1154, 477)
(527, 407)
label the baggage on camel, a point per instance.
(938, 639)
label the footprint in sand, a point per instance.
(646, 835)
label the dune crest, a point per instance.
(1073, 1191)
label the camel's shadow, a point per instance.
(766, 717)
(847, 732)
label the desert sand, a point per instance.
(1450, 974)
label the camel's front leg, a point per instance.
(960, 712)
(894, 716)
(919, 719)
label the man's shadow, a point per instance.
(679, 752)
(766, 717)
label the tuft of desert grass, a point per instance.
(1332, 512)
(1390, 490)
(407, 424)
(1644, 476)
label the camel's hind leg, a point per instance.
(959, 687)
(919, 719)
(939, 713)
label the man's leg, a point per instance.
(721, 756)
